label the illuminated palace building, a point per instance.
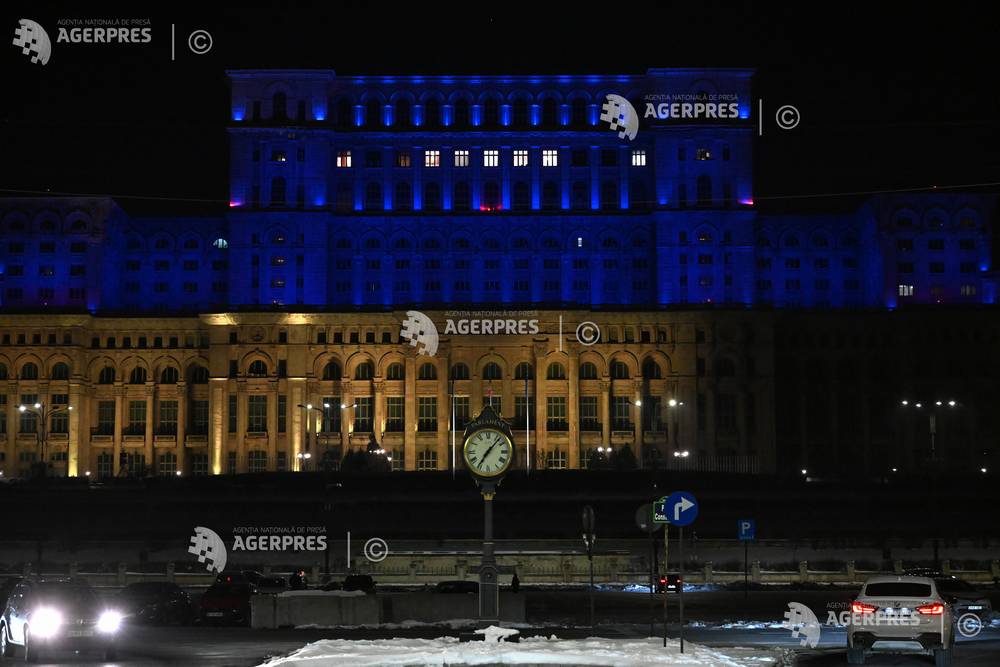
(749, 342)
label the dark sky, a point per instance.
(891, 96)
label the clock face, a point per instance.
(488, 452)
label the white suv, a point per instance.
(900, 614)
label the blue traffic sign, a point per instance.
(746, 530)
(679, 508)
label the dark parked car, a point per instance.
(6, 586)
(670, 581)
(156, 603)
(359, 582)
(264, 583)
(227, 604)
(965, 598)
(457, 586)
(43, 616)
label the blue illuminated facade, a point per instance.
(351, 192)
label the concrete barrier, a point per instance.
(435, 607)
(322, 608)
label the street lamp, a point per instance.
(41, 428)
(932, 421)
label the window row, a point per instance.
(487, 157)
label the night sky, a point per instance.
(891, 96)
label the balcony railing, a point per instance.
(556, 425)
(427, 425)
(590, 425)
(394, 426)
(622, 425)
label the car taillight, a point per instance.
(862, 608)
(934, 609)
(663, 580)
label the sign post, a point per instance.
(679, 509)
(746, 531)
(644, 519)
(589, 537)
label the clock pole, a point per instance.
(489, 589)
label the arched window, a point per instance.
(524, 371)
(580, 197)
(432, 197)
(463, 196)
(462, 113)
(491, 195)
(137, 376)
(403, 117)
(725, 367)
(588, 371)
(651, 370)
(60, 371)
(522, 196)
(638, 194)
(279, 106)
(578, 112)
(373, 113)
(3, 372)
(30, 371)
(344, 115)
(331, 371)
(550, 195)
(491, 112)
(169, 375)
(220, 243)
(106, 376)
(198, 375)
(364, 371)
(257, 369)
(395, 372)
(549, 115)
(373, 197)
(432, 113)
(556, 371)
(491, 371)
(278, 191)
(609, 195)
(344, 197)
(704, 190)
(427, 372)
(619, 370)
(404, 196)
(459, 371)
(520, 112)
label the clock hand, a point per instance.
(495, 443)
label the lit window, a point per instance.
(703, 154)
(968, 290)
(461, 158)
(432, 158)
(344, 159)
(550, 157)
(906, 290)
(279, 156)
(638, 158)
(491, 158)
(403, 158)
(520, 157)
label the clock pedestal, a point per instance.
(489, 587)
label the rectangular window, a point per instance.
(402, 158)
(168, 418)
(199, 464)
(232, 414)
(524, 408)
(60, 419)
(394, 414)
(638, 158)
(397, 458)
(331, 415)
(621, 413)
(136, 417)
(3, 413)
(257, 414)
(461, 411)
(520, 157)
(491, 157)
(462, 158)
(344, 159)
(555, 413)
(199, 417)
(905, 290)
(257, 461)
(426, 413)
(550, 157)
(725, 410)
(363, 415)
(105, 417)
(496, 402)
(589, 419)
(432, 158)
(282, 413)
(427, 460)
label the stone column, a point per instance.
(605, 407)
(378, 408)
(12, 400)
(296, 395)
(272, 421)
(410, 411)
(117, 438)
(573, 408)
(637, 412)
(242, 412)
(74, 465)
(541, 413)
(147, 443)
(217, 404)
(182, 411)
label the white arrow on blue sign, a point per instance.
(681, 508)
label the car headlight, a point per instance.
(109, 621)
(45, 622)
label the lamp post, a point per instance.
(306, 454)
(673, 405)
(43, 413)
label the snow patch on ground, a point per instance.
(593, 651)
(319, 593)
(454, 624)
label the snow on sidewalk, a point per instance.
(593, 651)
